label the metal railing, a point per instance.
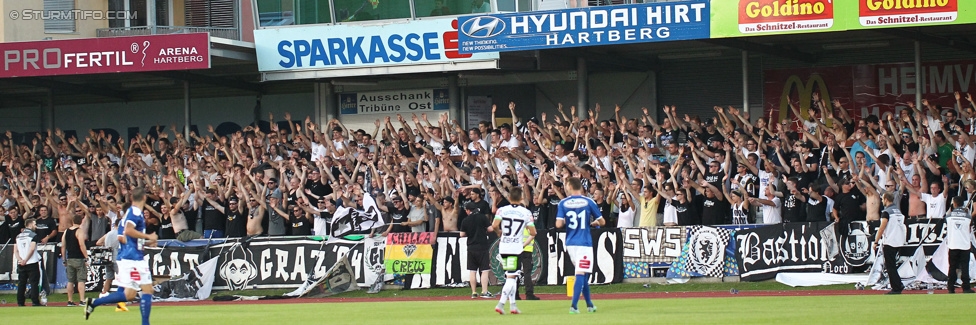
(222, 32)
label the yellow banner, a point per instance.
(396, 252)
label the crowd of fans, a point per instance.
(820, 165)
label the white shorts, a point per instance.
(582, 258)
(132, 274)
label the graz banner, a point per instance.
(867, 89)
(409, 253)
(607, 257)
(265, 264)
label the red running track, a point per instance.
(604, 296)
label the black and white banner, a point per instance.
(269, 263)
(788, 247)
(260, 263)
(195, 285)
(825, 247)
(348, 220)
(656, 245)
(607, 257)
(49, 263)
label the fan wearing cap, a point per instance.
(398, 216)
(709, 131)
(276, 219)
(236, 218)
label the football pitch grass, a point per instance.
(854, 309)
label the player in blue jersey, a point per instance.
(578, 213)
(132, 265)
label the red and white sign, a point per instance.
(900, 12)
(868, 89)
(106, 55)
(766, 16)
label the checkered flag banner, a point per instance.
(703, 254)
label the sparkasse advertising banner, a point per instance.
(604, 25)
(394, 102)
(390, 43)
(106, 55)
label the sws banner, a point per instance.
(589, 26)
(648, 252)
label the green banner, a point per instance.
(738, 18)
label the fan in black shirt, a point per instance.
(794, 209)
(714, 208)
(298, 222)
(236, 219)
(398, 215)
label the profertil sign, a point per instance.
(776, 16)
(106, 55)
(907, 12)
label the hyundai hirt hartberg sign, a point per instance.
(106, 55)
(640, 23)
(390, 43)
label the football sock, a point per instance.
(511, 285)
(112, 298)
(506, 291)
(145, 306)
(586, 293)
(578, 289)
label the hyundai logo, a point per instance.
(483, 27)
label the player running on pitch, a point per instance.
(510, 223)
(132, 268)
(581, 213)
